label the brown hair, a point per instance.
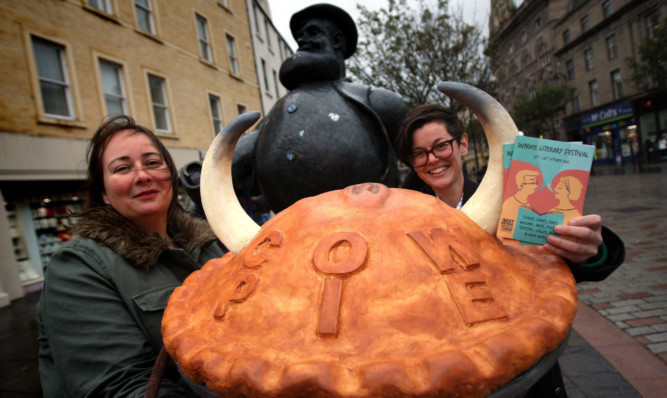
(93, 186)
(416, 119)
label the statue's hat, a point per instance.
(331, 13)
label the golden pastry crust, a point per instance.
(369, 291)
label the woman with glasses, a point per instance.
(431, 140)
(105, 291)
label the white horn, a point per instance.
(230, 223)
(485, 205)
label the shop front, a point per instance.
(613, 131)
(39, 215)
(652, 113)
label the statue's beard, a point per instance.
(305, 66)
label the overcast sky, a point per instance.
(474, 11)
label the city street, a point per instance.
(618, 346)
(624, 318)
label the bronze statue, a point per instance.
(327, 133)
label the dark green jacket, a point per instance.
(101, 308)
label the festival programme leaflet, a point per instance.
(545, 186)
(508, 150)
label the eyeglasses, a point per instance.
(152, 167)
(442, 150)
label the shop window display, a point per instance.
(38, 228)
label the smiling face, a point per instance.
(137, 181)
(442, 175)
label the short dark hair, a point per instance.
(416, 119)
(93, 186)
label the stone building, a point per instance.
(583, 43)
(594, 40)
(270, 50)
(522, 43)
(181, 68)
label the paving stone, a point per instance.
(650, 306)
(657, 299)
(634, 295)
(601, 306)
(621, 317)
(620, 310)
(624, 303)
(645, 321)
(660, 328)
(643, 330)
(657, 338)
(657, 347)
(588, 291)
(647, 314)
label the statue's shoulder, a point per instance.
(379, 99)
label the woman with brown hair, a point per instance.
(105, 291)
(431, 140)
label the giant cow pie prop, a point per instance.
(367, 291)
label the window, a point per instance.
(607, 8)
(617, 84)
(593, 87)
(511, 49)
(526, 64)
(524, 36)
(266, 78)
(202, 32)
(570, 69)
(102, 5)
(216, 114)
(585, 24)
(53, 79)
(231, 49)
(254, 13)
(574, 96)
(158, 92)
(241, 109)
(612, 51)
(652, 22)
(267, 28)
(543, 53)
(514, 72)
(113, 87)
(566, 36)
(588, 55)
(144, 10)
(275, 82)
(538, 22)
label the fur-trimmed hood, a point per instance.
(138, 246)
